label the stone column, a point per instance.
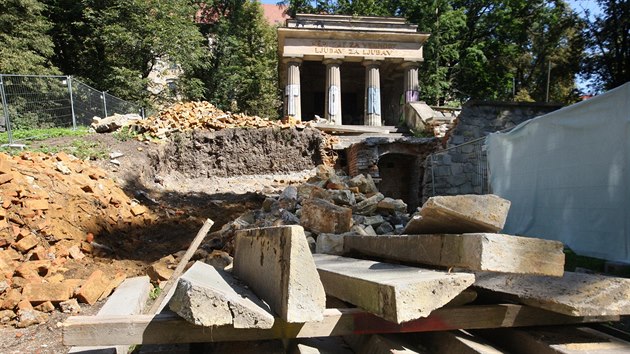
(411, 87)
(333, 91)
(372, 112)
(293, 107)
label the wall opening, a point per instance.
(401, 177)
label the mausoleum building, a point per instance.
(349, 70)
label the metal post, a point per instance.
(74, 118)
(5, 109)
(548, 77)
(142, 112)
(104, 104)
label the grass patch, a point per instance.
(81, 148)
(26, 135)
(124, 134)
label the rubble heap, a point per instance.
(52, 206)
(189, 116)
(329, 206)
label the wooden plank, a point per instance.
(574, 294)
(480, 251)
(128, 299)
(460, 342)
(168, 289)
(170, 328)
(556, 340)
(394, 292)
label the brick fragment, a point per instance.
(11, 300)
(26, 243)
(36, 204)
(93, 287)
(45, 307)
(54, 292)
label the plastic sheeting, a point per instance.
(566, 174)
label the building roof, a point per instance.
(275, 14)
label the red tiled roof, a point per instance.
(274, 13)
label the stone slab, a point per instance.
(481, 251)
(129, 298)
(278, 266)
(460, 214)
(394, 292)
(556, 340)
(574, 294)
(207, 296)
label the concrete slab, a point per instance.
(460, 214)
(574, 294)
(129, 298)
(277, 264)
(207, 296)
(394, 292)
(482, 251)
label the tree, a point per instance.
(242, 74)
(25, 48)
(608, 63)
(115, 44)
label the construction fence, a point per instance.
(32, 102)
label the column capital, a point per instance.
(332, 60)
(295, 60)
(371, 62)
(410, 64)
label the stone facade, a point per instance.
(349, 69)
(462, 167)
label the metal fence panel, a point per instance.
(30, 102)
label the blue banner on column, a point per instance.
(374, 101)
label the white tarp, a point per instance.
(566, 174)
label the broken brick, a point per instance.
(93, 287)
(138, 210)
(45, 307)
(118, 279)
(55, 292)
(75, 252)
(26, 243)
(24, 304)
(6, 178)
(11, 300)
(36, 204)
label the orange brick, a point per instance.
(45, 307)
(93, 287)
(26, 243)
(138, 210)
(24, 305)
(11, 300)
(5, 166)
(36, 204)
(55, 292)
(6, 178)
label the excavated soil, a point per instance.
(199, 175)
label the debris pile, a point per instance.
(189, 116)
(328, 206)
(51, 208)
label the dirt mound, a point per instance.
(235, 152)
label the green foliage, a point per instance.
(243, 69)
(25, 48)
(125, 134)
(114, 44)
(155, 292)
(608, 62)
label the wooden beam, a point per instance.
(349, 129)
(169, 288)
(481, 251)
(170, 328)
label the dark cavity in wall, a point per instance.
(401, 177)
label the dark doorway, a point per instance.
(401, 176)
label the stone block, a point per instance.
(42, 292)
(369, 205)
(278, 266)
(460, 214)
(206, 296)
(482, 251)
(321, 216)
(330, 244)
(365, 184)
(394, 292)
(93, 287)
(11, 299)
(390, 205)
